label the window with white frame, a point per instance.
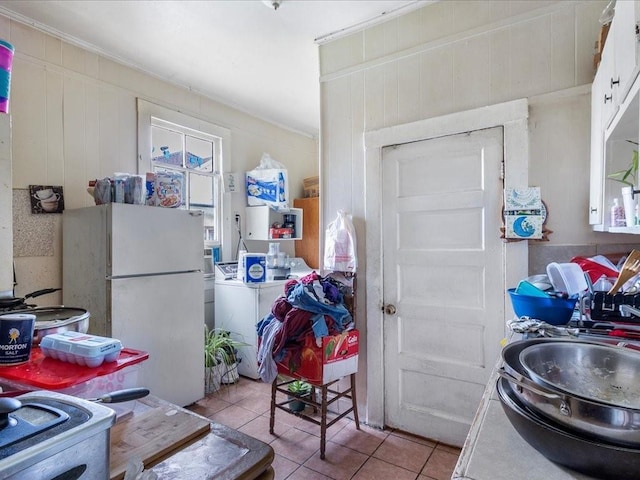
(196, 150)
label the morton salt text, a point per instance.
(13, 346)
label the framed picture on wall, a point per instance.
(46, 199)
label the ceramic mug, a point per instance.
(44, 194)
(51, 203)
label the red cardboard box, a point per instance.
(337, 358)
(280, 232)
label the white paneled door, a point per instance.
(443, 277)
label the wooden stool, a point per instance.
(325, 401)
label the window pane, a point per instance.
(199, 154)
(166, 146)
(200, 190)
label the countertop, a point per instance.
(494, 450)
(176, 443)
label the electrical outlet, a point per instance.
(237, 219)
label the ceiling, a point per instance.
(246, 54)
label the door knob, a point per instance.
(389, 309)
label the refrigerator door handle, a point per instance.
(148, 275)
(109, 251)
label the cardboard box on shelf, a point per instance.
(602, 37)
(311, 186)
(280, 232)
(337, 358)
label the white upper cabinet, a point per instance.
(614, 114)
(619, 58)
(623, 31)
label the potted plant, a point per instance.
(220, 358)
(298, 389)
(629, 175)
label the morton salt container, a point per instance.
(16, 336)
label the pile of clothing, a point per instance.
(311, 308)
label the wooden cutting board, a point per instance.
(155, 430)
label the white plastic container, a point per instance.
(629, 206)
(80, 348)
(567, 277)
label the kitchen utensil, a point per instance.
(122, 395)
(553, 310)
(20, 302)
(598, 373)
(51, 435)
(630, 268)
(615, 425)
(581, 453)
(55, 319)
(567, 277)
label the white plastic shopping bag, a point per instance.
(268, 184)
(340, 245)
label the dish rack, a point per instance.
(617, 307)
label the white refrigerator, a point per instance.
(137, 270)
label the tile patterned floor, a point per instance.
(363, 454)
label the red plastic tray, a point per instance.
(51, 374)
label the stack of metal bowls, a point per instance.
(576, 402)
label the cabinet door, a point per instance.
(308, 248)
(623, 31)
(606, 70)
(596, 192)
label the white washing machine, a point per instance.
(240, 306)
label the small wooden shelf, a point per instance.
(309, 247)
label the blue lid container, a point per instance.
(554, 311)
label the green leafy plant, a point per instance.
(629, 175)
(220, 347)
(299, 388)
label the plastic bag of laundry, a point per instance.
(340, 245)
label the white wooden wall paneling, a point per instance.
(444, 58)
(54, 128)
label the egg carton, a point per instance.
(80, 348)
